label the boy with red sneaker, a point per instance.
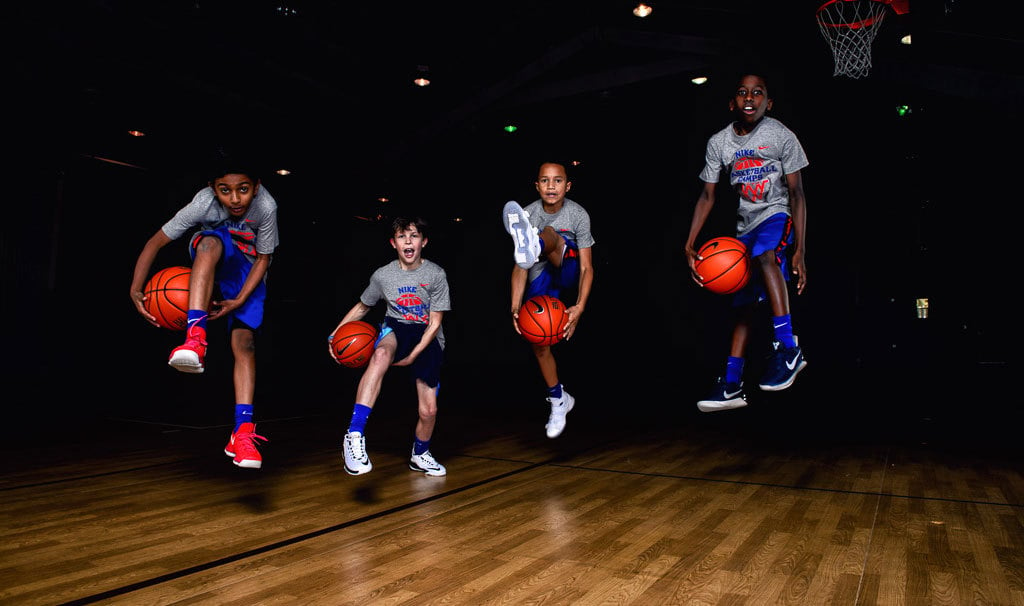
(237, 233)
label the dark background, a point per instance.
(899, 207)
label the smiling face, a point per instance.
(750, 101)
(235, 193)
(409, 243)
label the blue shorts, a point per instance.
(232, 270)
(553, 279)
(427, 366)
(774, 233)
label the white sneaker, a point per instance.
(357, 462)
(559, 408)
(427, 464)
(525, 236)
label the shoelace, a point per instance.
(358, 453)
(244, 442)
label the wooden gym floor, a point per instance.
(828, 493)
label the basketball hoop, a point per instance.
(850, 26)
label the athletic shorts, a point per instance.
(552, 280)
(232, 270)
(427, 365)
(774, 233)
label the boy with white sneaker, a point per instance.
(416, 293)
(552, 250)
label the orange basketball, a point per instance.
(353, 343)
(167, 297)
(725, 266)
(542, 320)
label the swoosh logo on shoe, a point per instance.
(791, 364)
(733, 394)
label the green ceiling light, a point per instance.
(902, 110)
(511, 128)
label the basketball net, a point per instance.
(850, 26)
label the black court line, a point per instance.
(291, 541)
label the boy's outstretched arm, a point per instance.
(518, 288)
(798, 206)
(141, 273)
(705, 202)
(585, 284)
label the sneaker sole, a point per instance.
(782, 386)
(357, 473)
(525, 257)
(185, 364)
(249, 464)
(434, 473)
(706, 406)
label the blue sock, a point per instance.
(197, 317)
(360, 413)
(419, 446)
(556, 391)
(733, 370)
(784, 331)
(243, 414)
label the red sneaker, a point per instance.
(242, 446)
(190, 356)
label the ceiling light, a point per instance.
(642, 10)
(422, 76)
(136, 133)
(699, 80)
(905, 40)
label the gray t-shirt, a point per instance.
(571, 221)
(255, 233)
(758, 163)
(411, 295)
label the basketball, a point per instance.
(167, 297)
(725, 266)
(542, 320)
(353, 343)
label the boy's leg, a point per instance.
(525, 238)
(560, 400)
(727, 392)
(421, 459)
(242, 443)
(206, 250)
(357, 460)
(787, 358)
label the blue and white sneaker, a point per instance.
(724, 396)
(783, 366)
(524, 235)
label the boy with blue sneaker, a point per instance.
(764, 159)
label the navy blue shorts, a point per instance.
(427, 366)
(232, 270)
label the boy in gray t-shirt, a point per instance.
(234, 225)
(552, 248)
(764, 160)
(415, 291)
